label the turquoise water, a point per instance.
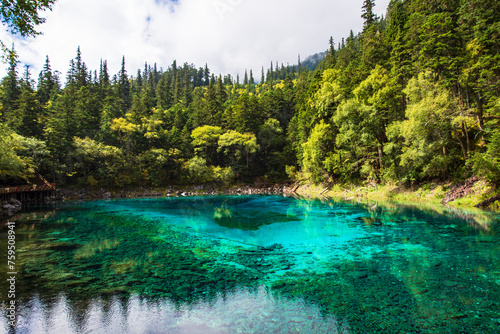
(252, 264)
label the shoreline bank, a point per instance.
(469, 194)
(464, 195)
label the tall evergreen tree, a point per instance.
(164, 93)
(104, 80)
(368, 14)
(10, 89)
(47, 83)
(124, 86)
(81, 71)
(29, 109)
(245, 79)
(206, 75)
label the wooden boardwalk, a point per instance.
(39, 190)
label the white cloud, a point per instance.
(229, 35)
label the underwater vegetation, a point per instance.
(229, 264)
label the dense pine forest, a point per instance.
(414, 97)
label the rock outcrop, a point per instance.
(10, 207)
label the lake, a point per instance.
(250, 264)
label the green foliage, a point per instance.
(488, 164)
(17, 153)
(271, 135)
(413, 97)
(205, 137)
(23, 16)
(368, 14)
(315, 150)
(330, 94)
(236, 144)
(97, 162)
(427, 130)
(200, 173)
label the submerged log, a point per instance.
(489, 201)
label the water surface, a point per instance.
(253, 264)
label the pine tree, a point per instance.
(10, 89)
(332, 47)
(245, 80)
(164, 93)
(368, 14)
(81, 78)
(46, 82)
(104, 75)
(137, 83)
(29, 109)
(330, 57)
(124, 86)
(71, 75)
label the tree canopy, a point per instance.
(23, 16)
(414, 97)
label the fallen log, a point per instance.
(488, 201)
(326, 189)
(460, 190)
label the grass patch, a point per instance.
(429, 193)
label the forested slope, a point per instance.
(413, 97)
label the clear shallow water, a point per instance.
(253, 264)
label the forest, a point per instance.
(412, 98)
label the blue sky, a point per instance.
(229, 35)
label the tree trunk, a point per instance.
(480, 120)
(466, 132)
(488, 201)
(380, 156)
(464, 152)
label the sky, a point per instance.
(227, 35)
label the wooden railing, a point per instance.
(26, 188)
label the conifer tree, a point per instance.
(206, 74)
(104, 74)
(81, 78)
(124, 86)
(368, 14)
(164, 93)
(46, 82)
(29, 109)
(10, 89)
(245, 80)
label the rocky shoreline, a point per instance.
(10, 208)
(69, 194)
